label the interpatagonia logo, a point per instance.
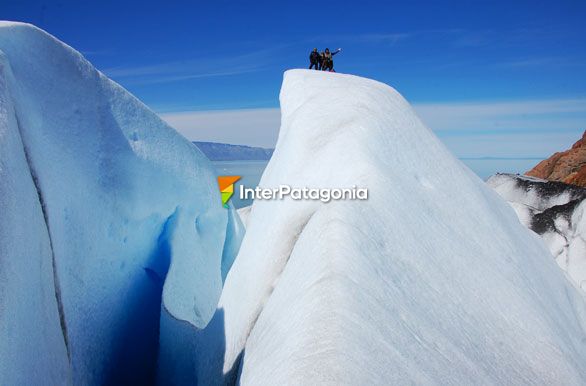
(226, 184)
(324, 195)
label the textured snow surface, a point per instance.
(32, 349)
(100, 201)
(555, 211)
(243, 213)
(432, 280)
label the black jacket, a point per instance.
(314, 57)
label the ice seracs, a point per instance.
(555, 211)
(431, 280)
(108, 218)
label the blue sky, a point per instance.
(492, 78)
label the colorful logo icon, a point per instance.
(226, 184)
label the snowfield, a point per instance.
(433, 280)
(100, 202)
(554, 210)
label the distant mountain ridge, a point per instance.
(226, 152)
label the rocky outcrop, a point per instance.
(568, 166)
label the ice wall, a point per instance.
(117, 215)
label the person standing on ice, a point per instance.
(328, 61)
(314, 60)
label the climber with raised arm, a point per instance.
(328, 61)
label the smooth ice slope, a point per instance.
(32, 346)
(554, 210)
(100, 198)
(432, 280)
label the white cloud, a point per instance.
(524, 128)
(503, 115)
(253, 127)
(191, 69)
(505, 129)
(387, 38)
(541, 62)
(516, 145)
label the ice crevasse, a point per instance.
(110, 221)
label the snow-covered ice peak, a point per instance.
(431, 280)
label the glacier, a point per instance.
(111, 223)
(432, 280)
(119, 265)
(554, 210)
